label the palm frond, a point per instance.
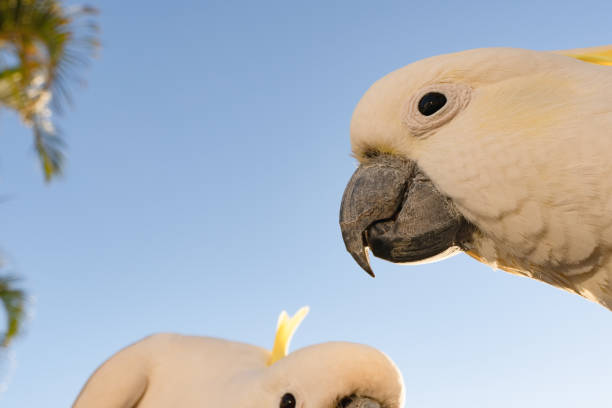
(42, 46)
(13, 300)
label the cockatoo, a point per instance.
(503, 153)
(171, 370)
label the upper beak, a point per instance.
(358, 402)
(390, 206)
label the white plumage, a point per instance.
(171, 370)
(523, 149)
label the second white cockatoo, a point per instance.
(171, 370)
(503, 153)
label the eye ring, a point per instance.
(433, 106)
(287, 401)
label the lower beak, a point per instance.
(392, 207)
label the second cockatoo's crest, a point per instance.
(285, 328)
(595, 55)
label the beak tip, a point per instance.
(363, 260)
(368, 268)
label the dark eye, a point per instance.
(431, 102)
(288, 401)
(345, 402)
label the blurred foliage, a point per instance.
(42, 44)
(13, 301)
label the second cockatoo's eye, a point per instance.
(345, 402)
(431, 102)
(288, 401)
(433, 106)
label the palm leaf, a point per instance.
(13, 300)
(42, 45)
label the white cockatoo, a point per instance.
(171, 370)
(503, 153)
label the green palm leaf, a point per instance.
(13, 300)
(41, 46)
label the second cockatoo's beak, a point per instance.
(392, 207)
(358, 402)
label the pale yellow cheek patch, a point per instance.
(285, 329)
(521, 106)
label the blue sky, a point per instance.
(207, 159)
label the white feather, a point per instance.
(171, 370)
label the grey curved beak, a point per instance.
(374, 192)
(391, 207)
(359, 402)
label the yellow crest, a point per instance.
(285, 328)
(595, 55)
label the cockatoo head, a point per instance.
(498, 152)
(328, 375)
(362, 377)
(186, 371)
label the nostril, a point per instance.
(371, 153)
